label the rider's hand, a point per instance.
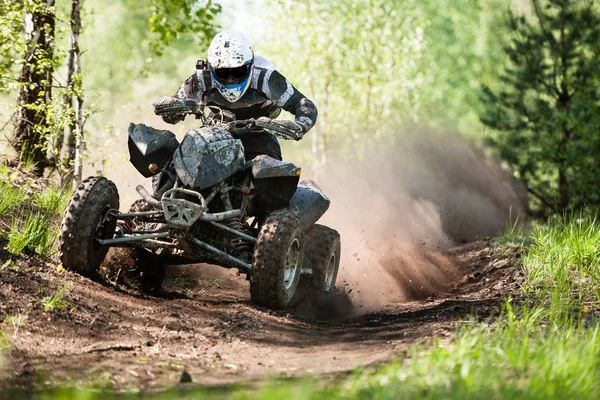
(172, 118)
(241, 127)
(289, 129)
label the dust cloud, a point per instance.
(398, 211)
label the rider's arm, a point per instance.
(192, 88)
(285, 95)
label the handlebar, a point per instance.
(171, 105)
(175, 108)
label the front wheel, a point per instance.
(277, 260)
(85, 220)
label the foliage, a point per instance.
(53, 199)
(373, 66)
(36, 233)
(11, 41)
(171, 19)
(10, 196)
(56, 301)
(141, 41)
(547, 110)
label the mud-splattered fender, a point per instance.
(309, 203)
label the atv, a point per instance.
(208, 205)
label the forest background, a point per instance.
(519, 79)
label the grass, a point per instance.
(5, 342)
(36, 233)
(183, 281)
(16, 321)
(56, 301)
(53, 199)
(563, 264)
(9, 197)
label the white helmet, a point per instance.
(231, 63)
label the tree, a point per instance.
(547, 112)
(373, 67)
(35, 82)
(72, 148)
(47, 128)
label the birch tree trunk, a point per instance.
(72, 148)
(35, 94)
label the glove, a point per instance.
(286, 128)
(241, 127)
(172, 118)
(163, 104)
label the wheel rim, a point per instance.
(330, 272)
(291, 264)
(104, 229)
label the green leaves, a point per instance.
(374, 66)
(170, 19)
(546, 109)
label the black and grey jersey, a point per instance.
(268, 93)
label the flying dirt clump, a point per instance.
(399, 211)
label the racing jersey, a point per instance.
(268, 93)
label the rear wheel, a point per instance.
(323, 248)
(277, 260)
(85, 220)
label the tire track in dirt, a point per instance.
(209, 328)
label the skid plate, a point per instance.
(182, 213)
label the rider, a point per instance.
(234, 79)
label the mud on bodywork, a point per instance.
(309, 203)
(211, 148)
(275, 181)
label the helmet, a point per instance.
(231, 63)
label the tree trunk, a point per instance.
(35, 95)
(70, 156)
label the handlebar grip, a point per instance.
(172, 105)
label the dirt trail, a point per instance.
(403, 279)
(204, 324)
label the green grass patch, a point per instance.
(521, 356)
(56, 301)
(562, 266)
(53, 199)
(5, 342)
(9, 197)
(35, 231)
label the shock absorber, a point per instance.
(238, 244)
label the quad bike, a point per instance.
(209, 205)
